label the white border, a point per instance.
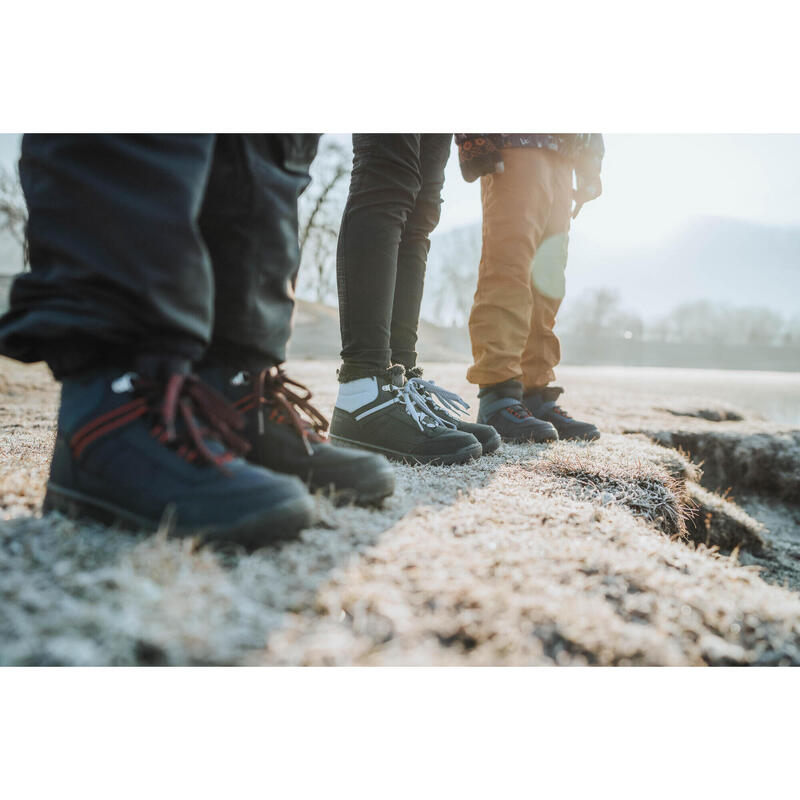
(398, 733)
(611, 65)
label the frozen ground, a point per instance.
(616, 552)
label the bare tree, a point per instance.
(320, 210)
(595, 313)
(704, 322)
(13, 213)
(452, 275)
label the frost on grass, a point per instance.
(572, 554)
(631, 474)
(548, 580)
(81, 594)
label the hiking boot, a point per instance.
(287, 434)
(542, 403)
(160, 447)
(387, 415)
(501, 407)
(445, 405)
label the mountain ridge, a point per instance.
(721, 259)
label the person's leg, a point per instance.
(383, 189)
(412, 256)
(411, 263)
(548, 284)
(119, 302)
(117, 267)
(547, 279)
(516, 206)
(376, 409)
(249, 222)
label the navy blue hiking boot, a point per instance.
(542, 403)
(387, 415)
(160, 447)
(501, 407)
(287, 434)
(447, 405)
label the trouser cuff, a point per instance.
(353, 372)
(505, 389)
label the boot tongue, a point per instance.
(551, 393)
(160, 368)
(396, 375)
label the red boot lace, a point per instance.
(519, 411)
(273, 388)
(186, 413)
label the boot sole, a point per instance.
(282, 521)
(587, 437)
(492, 444)
(532, 438)
(371, 492)
(459, 457)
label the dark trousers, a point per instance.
(394, 204)
(176, 245)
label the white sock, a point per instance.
(354, 394)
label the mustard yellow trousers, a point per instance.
(521, 282)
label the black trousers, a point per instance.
(176, 245)
(394, 204)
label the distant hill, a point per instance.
(725, 261)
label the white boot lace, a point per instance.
(415, 403)
(441, 403)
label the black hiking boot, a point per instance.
(542, 403)
(501, 407)
(160, 447)
(386, 415)
(446, 405)
(287, 434)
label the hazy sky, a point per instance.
(654, 184)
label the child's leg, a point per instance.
(383, 189)
(412, 256)
(542, 349)
(516, 208)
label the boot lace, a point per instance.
(291, 399)
(189, 412)
(186, 413)
(442, 404)
(560, 411)
(519, 411)
(414, 401)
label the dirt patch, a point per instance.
(717, 522)
(763, 462)
(710, 414)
